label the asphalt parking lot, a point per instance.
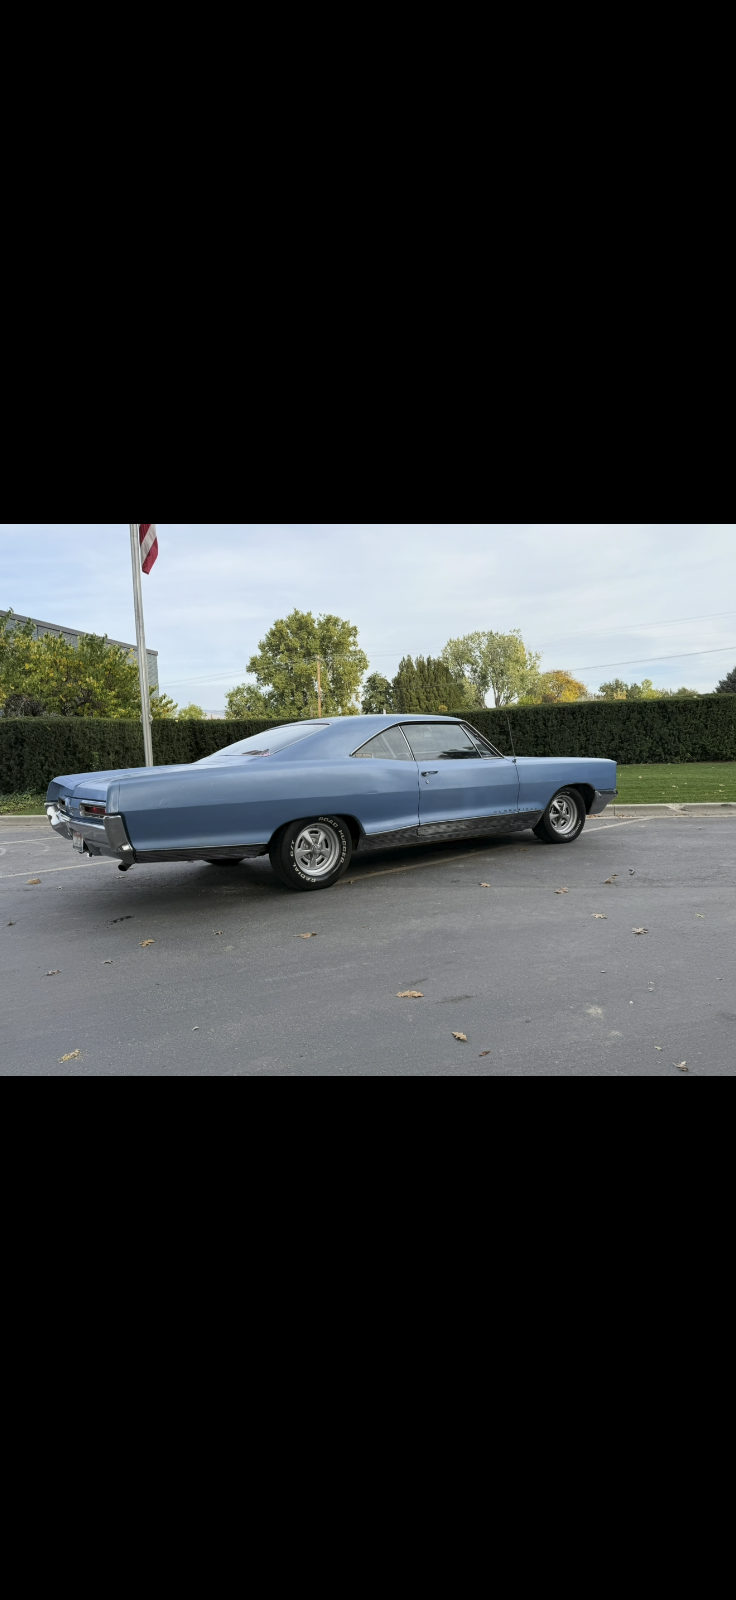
(199, 970)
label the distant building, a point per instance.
(72, 637)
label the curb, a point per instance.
(688, 808)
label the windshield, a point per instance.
(267, 744)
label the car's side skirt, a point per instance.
(467, 828)
(226, 852)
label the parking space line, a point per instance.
(77, 867)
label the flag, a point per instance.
(149, 544)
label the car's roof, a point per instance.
(343, 735)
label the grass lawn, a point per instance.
(690, 780)
(22, 805)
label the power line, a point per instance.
(641, 661)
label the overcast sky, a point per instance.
(602, 599)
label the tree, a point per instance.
(97, 679)
(163, 709)
(556, 688)
(378, 695)
(618, 690)
(17, 645)
(247, 701)
(727, 685)
(428, 685)
(192, 713)
(499, 662)
(286, 667)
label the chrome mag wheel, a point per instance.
(317, 850)
(563, 815)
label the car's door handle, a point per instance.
(432, 773)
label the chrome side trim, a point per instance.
(226, 852)
(479, 827)
(387, 841)
(467, 828)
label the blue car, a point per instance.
(313, 794)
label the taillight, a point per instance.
(86, 809)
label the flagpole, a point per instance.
(140, 632)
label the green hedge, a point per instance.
(627, 731)
(33, 750)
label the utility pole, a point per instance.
(146, 718)
(319, 687)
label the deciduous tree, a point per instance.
(497, 662)
(378, 695)
(286, 667)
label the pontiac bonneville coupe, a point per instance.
(312, 794)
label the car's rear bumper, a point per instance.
(603, 798)
(107, 838)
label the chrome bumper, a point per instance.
(108, 838)
(603, 798)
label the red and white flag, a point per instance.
(149, 544)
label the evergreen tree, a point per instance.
(727, 685)
(428, 686)
(378, 695)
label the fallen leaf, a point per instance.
(145, 943)
(462, 1036)
(632, 873)
(485, 885)
(32, 880)
(700, 916)
(307, 936)
(73, 1057)
(640, 930)
(107, 963)
(410, 994)
(681, 1066)
(195, 1030)
(11, 924)
(561, 891)
(53, 974)
(598, 916)
(611, 880)
(217, 935)
(659, 1047)
(483, 1053)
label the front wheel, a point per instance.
(564, 818)
(311, 854)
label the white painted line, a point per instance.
(78, 867)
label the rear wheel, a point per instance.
(311, 854)
(564, 818)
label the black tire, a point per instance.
(311, 854)
(564, 819)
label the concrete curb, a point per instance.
(706, 808)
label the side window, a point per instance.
(387, 746)
(440, 741)
(485, 749)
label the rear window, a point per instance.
(267, 744)
(387, 746)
